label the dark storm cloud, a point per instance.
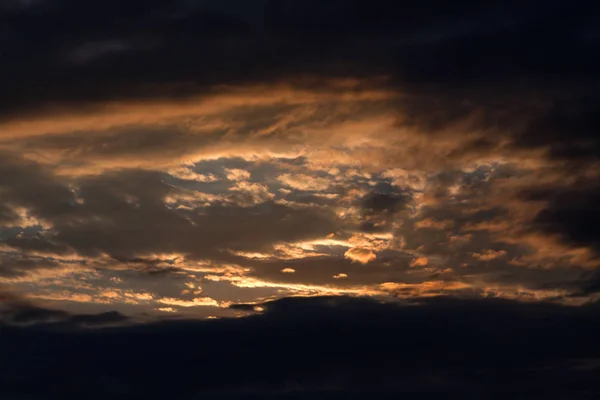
(13, 264)
(35, 242)
(471, 81)
(16, 311)
(111, 43)
(381, 205)
(208, 47)
(378, 202)
(162, 48)
(22, 181)
(62, 319)
(570, 128)
(7, 215)
(102, 319)
(449, 346)
(571, 211)
(589, 284)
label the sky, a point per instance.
(290, 199)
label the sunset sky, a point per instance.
(431, 166)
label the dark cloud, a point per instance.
(385, 203)
(164, 50)
(102, 319)
(492, 154)
(36, 315)
(22, 181)
(142, 141)
(17, 311)
(7, 215)
(336, 346)
(54, 34)
(380, 206)
(57, 318)
(576, 119)
(13, 264)
(124, 214)
(571, 211)
(589, 284)
(109, 222)
(390, 267)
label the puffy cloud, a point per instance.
(236, 174)
(489, 255)
(430, 223)
(361, 255)
(190, 285)
(256, 192)
(419, 262)
(406, 179)
(186, 173)
(167, 309)
(304, 182)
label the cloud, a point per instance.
(419, 262)
(230, 142)
(304, 182)
(522, 341)
(256, 192)
(361, 255)
(570, 211)
(235, 174)
(135, 198)
(167, 309)
(489, 255)
(430, 223)
(374, 226)
(195, 302)
(18, 311)
(185, 172)
(405, 179)
(375, 203)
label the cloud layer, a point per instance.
(440, 347)
(197, 160)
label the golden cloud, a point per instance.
(361, 255)
(419, 262)
(195, 302)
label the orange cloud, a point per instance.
(111, 114)
(489, 255)
(166, 309)
(304, 182)
(419, 262)
(196, 302)
(62, 296)
(236, 174)
(185, 172)
(361, 255)
(430, 223)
